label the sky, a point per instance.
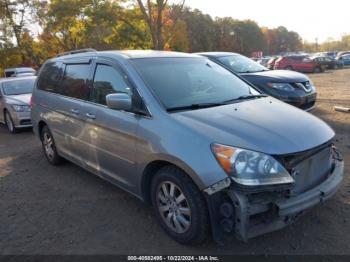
(312, 19)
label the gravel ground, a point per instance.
(66, 210)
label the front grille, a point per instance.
(309, 168)
(308, 105)
(304, 106)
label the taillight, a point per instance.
(31, 102)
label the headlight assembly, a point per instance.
(281, 86)
(250, 168)
(21, 108)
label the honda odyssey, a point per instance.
(207, 150)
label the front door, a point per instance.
(111, 134)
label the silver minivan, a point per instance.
(207, 150)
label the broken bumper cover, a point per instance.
(255, 214)
(314, 196)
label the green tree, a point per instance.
(201, 30)
(239, 36)
(281, 40)
(14, 19)
(153, 13)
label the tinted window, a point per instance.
(49, 77)
(18, 87)
(185, 81)
(108, 80)
(74, 81)
(9, 73)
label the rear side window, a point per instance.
(49, 77)
(74, 83)
(9, 73)
(108, 80)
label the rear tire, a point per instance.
(9, 123)
(179, 206)
(49, 147)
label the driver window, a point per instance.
(108, 80)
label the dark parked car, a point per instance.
(332, 54)
(328, 62)
(291, 87)
(342, 53)
(344, 59)
(299, 63)
(181, 132)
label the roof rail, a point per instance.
(78, 51)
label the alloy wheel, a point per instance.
(48, 146)
(173, 207)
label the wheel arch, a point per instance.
(41, 125)
(153, 167)
(5, 109)
(3, 112)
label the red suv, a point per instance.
(298, 63)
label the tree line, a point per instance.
(32, 31)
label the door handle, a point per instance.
(75, 111)
(91, 116)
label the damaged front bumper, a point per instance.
(247, 213)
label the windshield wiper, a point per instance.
(206, 105)
(246, 97)
(194, 106)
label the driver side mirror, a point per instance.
(119, 101)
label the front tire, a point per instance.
(289, 68)
(49, 147)
(9, 123)
(180, 207)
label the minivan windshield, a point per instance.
(186, 82)
(241, 64)
(18, 87)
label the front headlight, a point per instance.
(281, 86)
(21, 108)
(250, 168)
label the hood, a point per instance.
(265, 125)
(277, 76)
(18, 99)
